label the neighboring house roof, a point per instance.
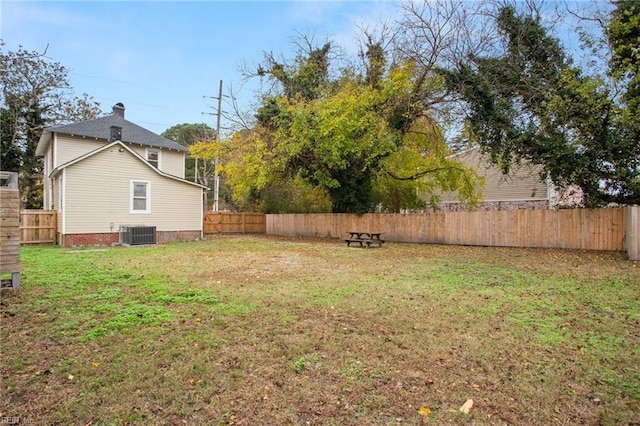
(59, 169)
(100, 128)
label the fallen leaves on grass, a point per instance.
(467, 406)
(424, 411)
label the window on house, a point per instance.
(140, 197)
(153, 157)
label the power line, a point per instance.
(102, 78)
(133, 103)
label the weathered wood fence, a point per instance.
(589, 229)
(10, 228)
(38, 227)
(613, 229)
(234, 223)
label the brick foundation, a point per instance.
(106, 239)
(109, 239)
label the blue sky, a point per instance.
(161, 58)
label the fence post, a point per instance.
(632, 231)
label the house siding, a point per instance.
(69, 148)
(55, 194)
(56, 203)
(97, 196)
(522, 184)
(171, 162)
(47, 184)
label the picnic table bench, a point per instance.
(365, 239)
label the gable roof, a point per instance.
(58, 169)
(100, 128)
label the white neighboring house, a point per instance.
(522, 188)
(104, 174)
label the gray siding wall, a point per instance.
(523, 183)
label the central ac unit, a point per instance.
(137, 235)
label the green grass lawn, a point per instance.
(247, 330)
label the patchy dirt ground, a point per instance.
(285, 331)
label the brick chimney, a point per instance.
(118, 109)
(116, 133)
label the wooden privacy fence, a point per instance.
(234, 223)
(9, 228)
(588, 229)
(38, 227)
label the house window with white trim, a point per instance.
(140, 196)
(153, 157)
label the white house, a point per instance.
(109, 174)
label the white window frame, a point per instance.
(151, 150)
(147, 197)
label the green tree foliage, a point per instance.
(252, 185)
(306, 78)
(9, 149)
(624, 38)
(421, 169)
(35, 95)
(186, 134)
(529, 103)
(198, 167)
(337, 142)
(292, 196)
(347, 136)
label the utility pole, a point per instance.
(216, 178)
(216, 163)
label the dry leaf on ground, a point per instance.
(467, 406)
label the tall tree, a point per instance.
(35, 95)
(623, 34)
(9, 150)
(347, 135)
(530, 103)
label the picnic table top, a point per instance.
(365, 239)
(365, 234)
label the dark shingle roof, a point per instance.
(131, 133)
